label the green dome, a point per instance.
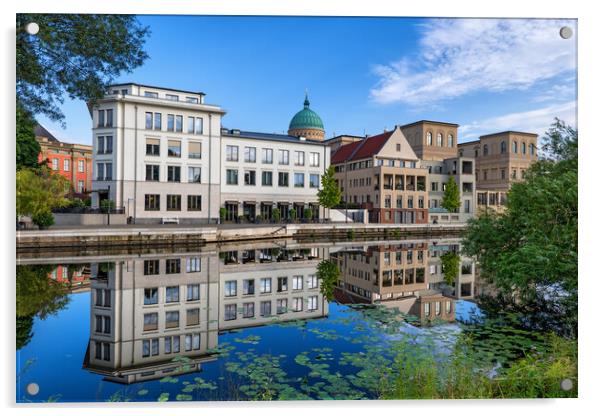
(306, 119)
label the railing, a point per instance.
(88, 210)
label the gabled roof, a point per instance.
(40, 131)
(362, 149)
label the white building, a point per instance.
(154, 152)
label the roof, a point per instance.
(270, 136)
(509, 132)
(156, 87)
(40, 131)
(430, 122)
(362, 149)
(306, 118)
(469, 143)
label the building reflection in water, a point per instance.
(150, 309)
(406, 275)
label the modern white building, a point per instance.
(155, 152)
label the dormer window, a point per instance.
(151, 94)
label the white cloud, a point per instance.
(459, 56)
(533, 121)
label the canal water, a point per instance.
(265, 321)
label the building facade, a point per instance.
(432, 140)
(71, 160)
(383, 175)
(501, 159)
(155, 153)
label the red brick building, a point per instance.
(73, 161)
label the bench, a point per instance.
(170, 221)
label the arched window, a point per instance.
(515, 147)
(523, 148)
(439, 139)
(429, 139)
(450, 140)
(485, 150)
(532, 149)
(503, 147)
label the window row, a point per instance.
(172, 294)
(172, 266)
(174, 148)
(427, 308)
(298, 304)
(265, 285)
(175, 123)
(267, 178)
(170, 97)
(174, 173)
(429, 139)
(503, 148)
(81, 165)
(152, 202)
(267, 156)
(171, 344)
(494, 174)
(399, 202)
(172, 319)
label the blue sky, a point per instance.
(363, 74)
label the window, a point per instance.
(467, 206)
(248, 287)
(427, 308)
(429, 138)
(152, 172)
(437, 308)
(173, 173)
(80, 186)
(297, 304)
(66, 165)
(267, 156)
(172, 319)
(151, 296)
(281, 305)
(174, 202)
(192, 342)
(193, 292)
(100, 145)
(174, 148)
(485, 150)
(229, 312)
(503, 173)
(514, 147)
(101, 118)
(230, 288)
(532, 149)
(151, 94)
(435, 186)
(314, 159)
(172, 344)
(172, 294)
(151, 267)
(170, 122)
(283, 157)
(265, 285)
(266, 178)
(150, 347)
(523, 148)
(250, 156)
(312, 303)
(265, 308)
(194, 150)
(314, 180)
(282, 284)
(198, 126)
(248, 310)
(157, 124)
(194, 203)
(172, 266)
(282, 178)
(513, 173)
(439, 139)
(297, 282)
(398, 147)
(152, 202)
(109, 122)
(153, 147)
(190, 125)
(194, 174)
(192, 100)
(55, 165)
(151, 321)
(503, 147)
(299, 158)
(299, 180)
(193, 316)
(231, 176)
(250, 177)
(232, 153)
(450, 140)
(179, 122)
(312, 281)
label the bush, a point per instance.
(276, 215)
(43, 219)
(308, 214)
(293, 214)
(222, 214)
(106, 205)
(76, 203)
(350, 234)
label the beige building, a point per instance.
(501, 159)
(432, 140)
(383, 175)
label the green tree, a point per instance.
(27, 147)
(450, 264)
(328, 272)
(451, 196)
(38, 192)
(529, 252)
(330, 194)
(74, 55)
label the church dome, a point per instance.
(305, 120)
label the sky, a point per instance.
(363, 75)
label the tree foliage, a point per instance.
(451, 196)
(74, 55)
(38, 192)
(450, 264)
(529, 252)
(330, 194)
(328, 273)
(27, 146)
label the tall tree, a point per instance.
(529, 252)
(27, 147)
(38, 192)
(74, 55)
(451, 196)
(330, 194)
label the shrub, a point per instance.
(106, 205)
(293, 214)
(308, 214)
(350, 234)
(43, 219)
(276, 215)
(222, 214)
